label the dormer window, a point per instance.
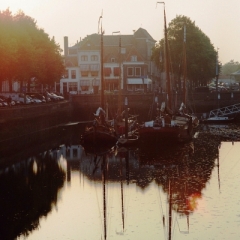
(133, 58)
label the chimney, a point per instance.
(65, 46)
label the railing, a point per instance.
(220, 112)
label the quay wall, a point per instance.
(141, 104)
(26, 121)
(24, 125)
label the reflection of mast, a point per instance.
(170, 212)
(218, 174)
(122, 192)
(104, 195)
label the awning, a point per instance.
(84, 83)
(94, 67)
(84, 67)
(139, 81)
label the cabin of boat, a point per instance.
(100, 131)
(166, 129)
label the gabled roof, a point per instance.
(134, 44)
(142, 33)
(113, 40)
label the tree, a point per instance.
(8, 46)
(230, 67)
(200, 53)
(28, 51)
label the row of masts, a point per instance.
(167, 67)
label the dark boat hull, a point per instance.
(100, 136)
(164, 135)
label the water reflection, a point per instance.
(28, 191)
(31, 188)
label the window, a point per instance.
(73, 74)
(137, 71)
(133, 58)
(107, 71)
(94, 73)
(130, 71)
(84, 58)
(84, 88)
(116, 71)
(72, 86)
(84, 68)
(94, 58)
(84, 85)
(96, 82)
(94, 68)
(112, 59)
(84, 73)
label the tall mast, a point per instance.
(102, 78)
(120, 77)
(167, 68)
(184, 67)
(119, 83)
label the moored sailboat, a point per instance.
(101, 131)
(169, 126)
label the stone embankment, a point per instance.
(25, 124)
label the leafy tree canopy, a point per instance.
(200, 52)
(27, 51)
(230, 67)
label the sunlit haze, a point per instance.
(218, 19)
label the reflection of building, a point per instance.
(73, 152)
(82, 61)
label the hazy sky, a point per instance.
(218, 19)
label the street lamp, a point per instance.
(120, 75)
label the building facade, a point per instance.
(126, 63)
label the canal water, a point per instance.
(73, 192)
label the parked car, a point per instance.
(37, 97)
(59, 96)
(13, 102)
(3, 103)
(54, 97)
(33, 99)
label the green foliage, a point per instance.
(27, 51)
(200, 52)
(230, 67)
